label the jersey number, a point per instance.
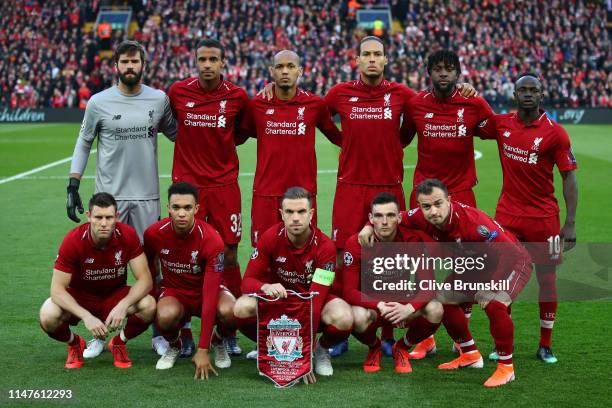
(236, 220)
(554, 245)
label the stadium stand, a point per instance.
(52, 57)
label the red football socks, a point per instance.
(502, 330)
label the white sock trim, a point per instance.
(467, 343)
(122, 336)
(547, 324)
(187, 325)
(71, 339)
(509, 356)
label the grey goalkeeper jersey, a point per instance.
(126, 127)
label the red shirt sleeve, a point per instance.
(132, 242)
(351, 276)
(245, 127)
(257, 272)
(150, 250)
(213, 248)
(408, 129)
(330, 100)
(563, 155)
(327, 125)
(487, 129)
(68, 256)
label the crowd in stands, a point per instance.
(49, 61)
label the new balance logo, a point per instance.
(164, 251)
(89, 261)
(116, 117)
(270, 112)
(507, 133)
(281, 259)
(428, 115)
(353, 99)
(190, 104)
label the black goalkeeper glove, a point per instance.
(73, 202)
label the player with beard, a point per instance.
(125, 118)
(445, 123)
(530, 145)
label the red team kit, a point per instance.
(376, 123)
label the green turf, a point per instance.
(34, 222)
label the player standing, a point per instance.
(89, 283)
(420, 313)
(530, 145)
(295, 255)
(445, 123)
(190, 254)
(207, 108)
(285, 130)
(125, 118)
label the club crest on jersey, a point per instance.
(308, 266)
(348, 259)
(194, 256)
(222, 106)
(387, 99)
(118, 255)
(536, 143)
(300, 115)
(284, 342)
(460, 114)
(506, 133)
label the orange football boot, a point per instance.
(502, 375)
(471, 359)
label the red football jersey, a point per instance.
(528, 154)
(469, 224)
(276, 260)
(285, 132)
(193, 263)
(372, 152)
(205, 151)
(446, 128)
(98, 271)
(351, 272)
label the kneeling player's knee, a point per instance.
(50, 316)
(168, 315)
(434, 311)
(362, 318)
(244, 307)
(146, 308)
(225, 310)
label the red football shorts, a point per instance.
(99, 306)
(220, 207)
(352, 206)
(190, 300)
(541, 236)
(466, 197)
(265, 213)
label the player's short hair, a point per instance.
(129, 47)
(102, 200)
(426, 187)
(296, 193)
(384, 198)
(530, 74)
(371, 38)
(211, 43)
(447, 57)
(183, 188)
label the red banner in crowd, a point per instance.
(284, 337)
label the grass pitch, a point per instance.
(34, 222)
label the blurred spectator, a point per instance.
(566, 42)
